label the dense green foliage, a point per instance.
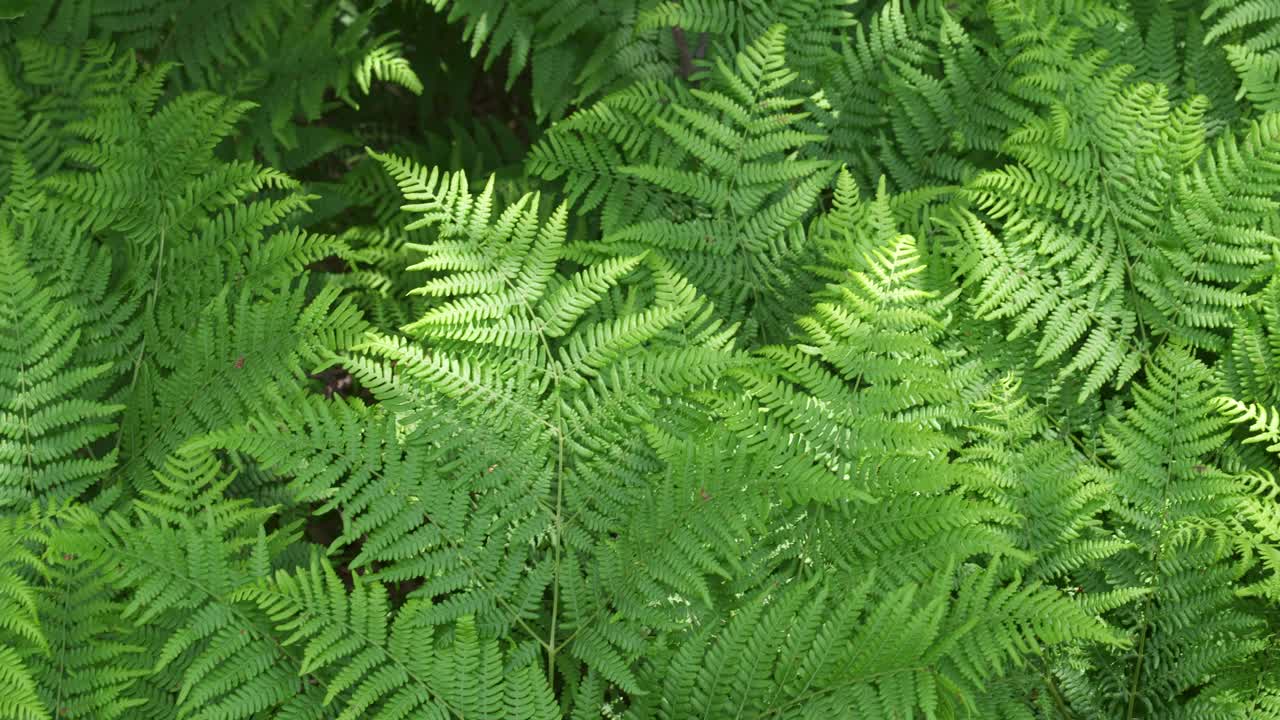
(698, 359)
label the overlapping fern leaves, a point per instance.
(240, 51)
(908, 359)
(719, 187)
(1119, 227)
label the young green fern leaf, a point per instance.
(876, 332)
(385, 63)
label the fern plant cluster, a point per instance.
(637, 360)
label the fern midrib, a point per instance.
(1155, 564)
(1121, 241)
(559, 428)
(29, 445)
(63, 617)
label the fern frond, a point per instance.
(1252, 25)
(731, 168)
(21, 634)
(1264, 422)
(804, 650)
(1057, 500)
(182, 573)
(52, 413)
(921, 99)
(385, 62)
(252, 348)
(456, 512)
(393, 668)
(1172, 503)
(94, 665)
(1250, 367)
(1136, 275)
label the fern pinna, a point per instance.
(540, 359)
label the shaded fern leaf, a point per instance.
(391, 663)
(21, 634)
(52, 412)
(287, 57)
(183, 573)
(921, 99)
(1172, 503)
(805, 649)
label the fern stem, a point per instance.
(142, 346)
(1059, 702)
(1155, 558)
(1128, 261)
(556, 540)
(1137, 669)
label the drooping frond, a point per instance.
(555, 38)
(573, 51)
